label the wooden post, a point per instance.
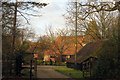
(30, 69)
(90, 66)
(83, 69)
(35, 67)
(86, 68)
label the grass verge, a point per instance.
(69, 72)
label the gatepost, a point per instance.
(35, 65)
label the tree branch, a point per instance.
(24, 17)
(101, 7)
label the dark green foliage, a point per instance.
(107, 65)
(27, 57)
(20, 54)
(18, 66)
(25, 46)
(39, 62)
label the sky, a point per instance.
(52, 15)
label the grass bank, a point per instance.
(69, 72)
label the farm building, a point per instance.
(86, 57)
(63, 45)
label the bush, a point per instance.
(107, 65)
(63, 64)
(46, 63)
(53, 63)
(39, 62)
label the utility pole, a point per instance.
(76, 34)
(13, 37)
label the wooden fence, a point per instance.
(8, 67)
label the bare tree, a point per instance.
(50, 33)
(61, 44)
(9, 18)
(101, 14)
(64, 42)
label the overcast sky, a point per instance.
(52, 15)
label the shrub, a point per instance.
(63, 64)
(53, 63)
(107, 65)
(39, 62)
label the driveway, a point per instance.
(48, 72)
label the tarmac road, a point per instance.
(48, 72)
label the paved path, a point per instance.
(48, 72)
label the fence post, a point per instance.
(35, 67)
(30, 69)
(83, 69)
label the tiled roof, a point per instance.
(68, 42)
(91, 49)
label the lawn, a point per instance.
(69, 72)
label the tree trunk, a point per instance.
(13, 38)
(119, 35)
(61, 58)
